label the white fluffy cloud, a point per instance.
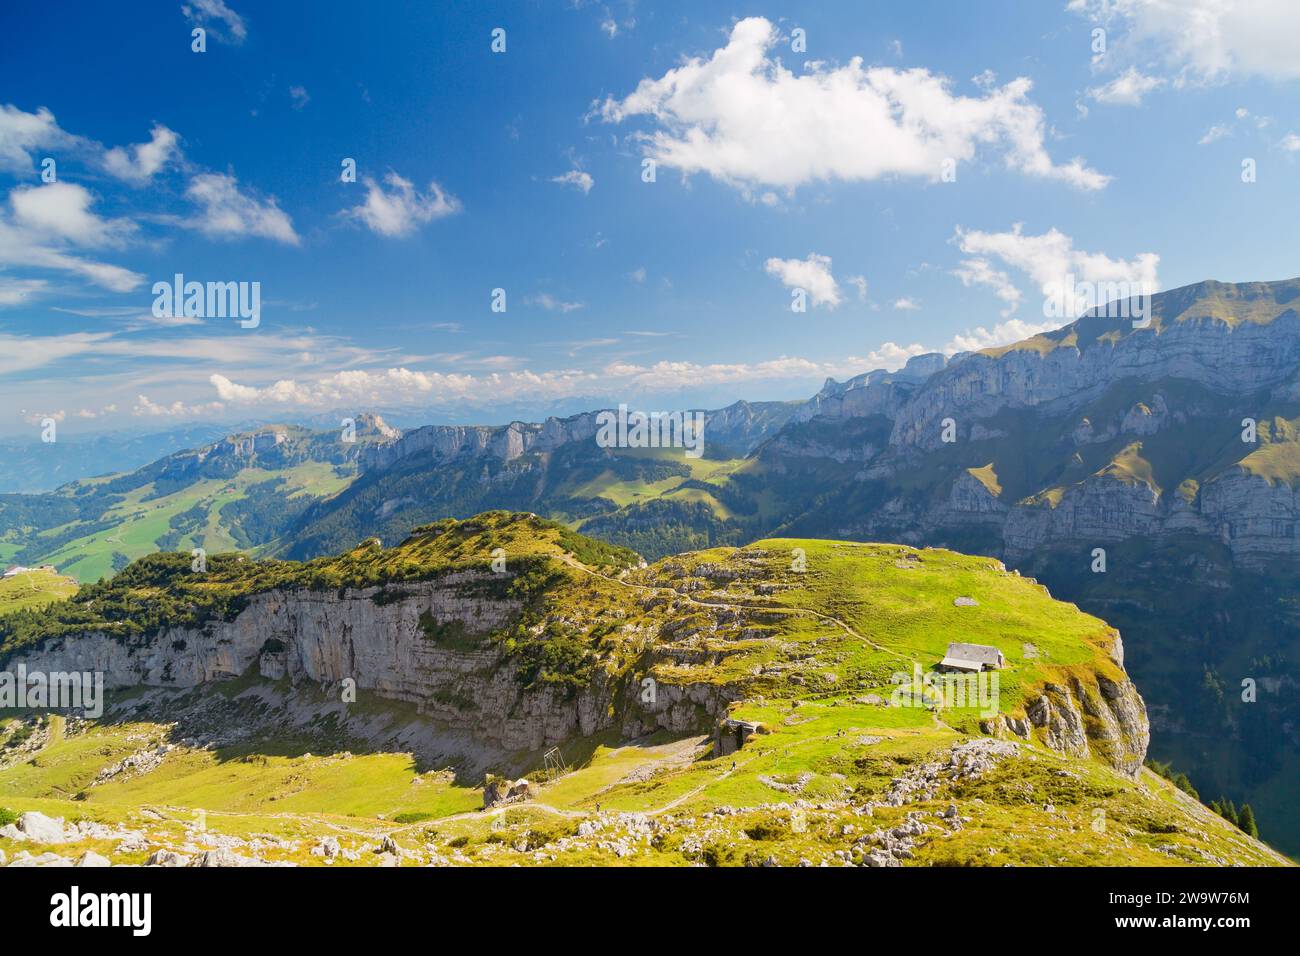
(743, 118)
(138, 163)
(1202, 40)
(62, 211)
(229, 213)
(23, 135)
(45, 225)
(973, 272)
(177, 409)
(577, 179)
(219, 19)
(813, 275)
(1004, 333)
(403, 386)
(401, 209)
(893, 356)
(1049, 260)
(22, 132)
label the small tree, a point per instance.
(1246, 820)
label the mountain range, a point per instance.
(1147, 474)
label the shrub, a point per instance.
(412, 816)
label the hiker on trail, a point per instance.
(733, 765)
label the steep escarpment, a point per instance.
(481, 625)
(1098, 432)
(1236, 339)
(435, 644)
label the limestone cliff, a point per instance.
(380, 638)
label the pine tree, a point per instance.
(1185, 785)
(1247, 821)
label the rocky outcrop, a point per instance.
(1107, 719)
(497, 790)
(1256, 519)
(505, 442)
(1101, 509)
(873, 393)
(740, 426)
(1230, 357)
(387, 641)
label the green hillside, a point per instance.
(235, 494)
(34, 588)
(808, 639)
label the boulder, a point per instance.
(39, 828)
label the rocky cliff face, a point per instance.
(873, 393)
(1066, 370)
(1106, 719)
(380, 639)
(505, 442)
(1055, 413)
(739, 426)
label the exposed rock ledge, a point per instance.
(1107, 720)
(327, 637)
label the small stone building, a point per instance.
(972, 658)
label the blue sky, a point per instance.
(784, 161)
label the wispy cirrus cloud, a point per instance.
(576, 178)
(1127, 89)
(544, 300)
(42, 247)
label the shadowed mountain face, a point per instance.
(1147, 473)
